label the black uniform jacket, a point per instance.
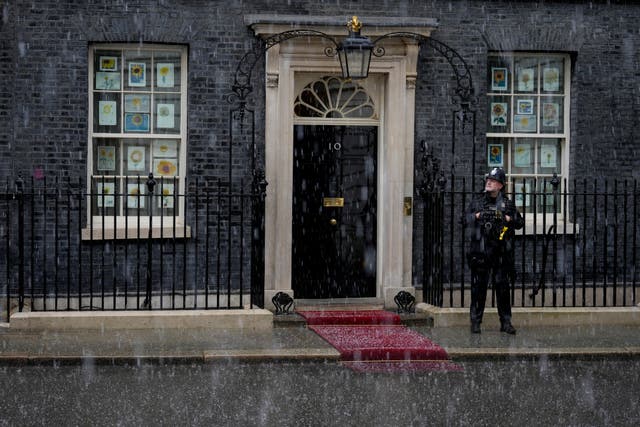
(492, 234)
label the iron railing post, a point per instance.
(8, 227)
(555, 183)
(258, 198)
(151, 183)
(432, 190)
(19, 195)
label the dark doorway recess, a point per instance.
(334, 211)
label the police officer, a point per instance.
(492, 219)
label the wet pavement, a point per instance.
(291, 340)
(586, 375)
(519, 392)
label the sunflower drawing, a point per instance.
(136, 156)
(136, 119)
(166, 168)
(163, 111)
(104, 152)
(498, 114)
(137, 71)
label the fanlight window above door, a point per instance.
(334, 98)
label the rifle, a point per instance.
(545, 253)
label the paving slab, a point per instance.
(289, 340)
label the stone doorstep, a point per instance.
(537, 316)
(247, 319)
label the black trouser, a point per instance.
(498, 270)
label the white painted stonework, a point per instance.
(289, 66)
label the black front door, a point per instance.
(334, 211)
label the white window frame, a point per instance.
(510, 137)
(117, 226)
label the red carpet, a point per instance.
(376, 341)
(354, 317)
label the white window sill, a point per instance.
(128, 230)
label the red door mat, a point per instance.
(376, 341)
(353, 317)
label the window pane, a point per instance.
(166, 199)
(535, 196)
(137, 103)
(167, 71)
(497, 153)
(526, 110)
(524, 123)
(523, 156)
(166, 114)
(136, 159)
(106, 156)
(526, 79)
(107, 69)
(166, 148)
(549, 156)
(104, 196)
(546, 200)
(552, 70)
(137, 74)
(106, 112)
(499, 76)
(137, 197)
(551, 117)
(522, 196)
(499, 114)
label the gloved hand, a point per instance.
(488, 216)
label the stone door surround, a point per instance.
(397, 71)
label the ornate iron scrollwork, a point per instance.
(283, 302)
(242, 87)
(463, 93)
(259, 182)
(432, 175)
(405, 302)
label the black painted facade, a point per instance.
(44, 75)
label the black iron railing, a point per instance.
(199, 249)
(579, 246)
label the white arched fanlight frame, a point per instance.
(332, 97)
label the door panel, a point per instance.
(334, 211)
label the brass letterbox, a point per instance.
(333, 202)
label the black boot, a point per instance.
(508, 328)
(475, 327)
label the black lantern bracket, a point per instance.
(354, 54)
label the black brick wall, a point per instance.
(43, 73)
(43, 65)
